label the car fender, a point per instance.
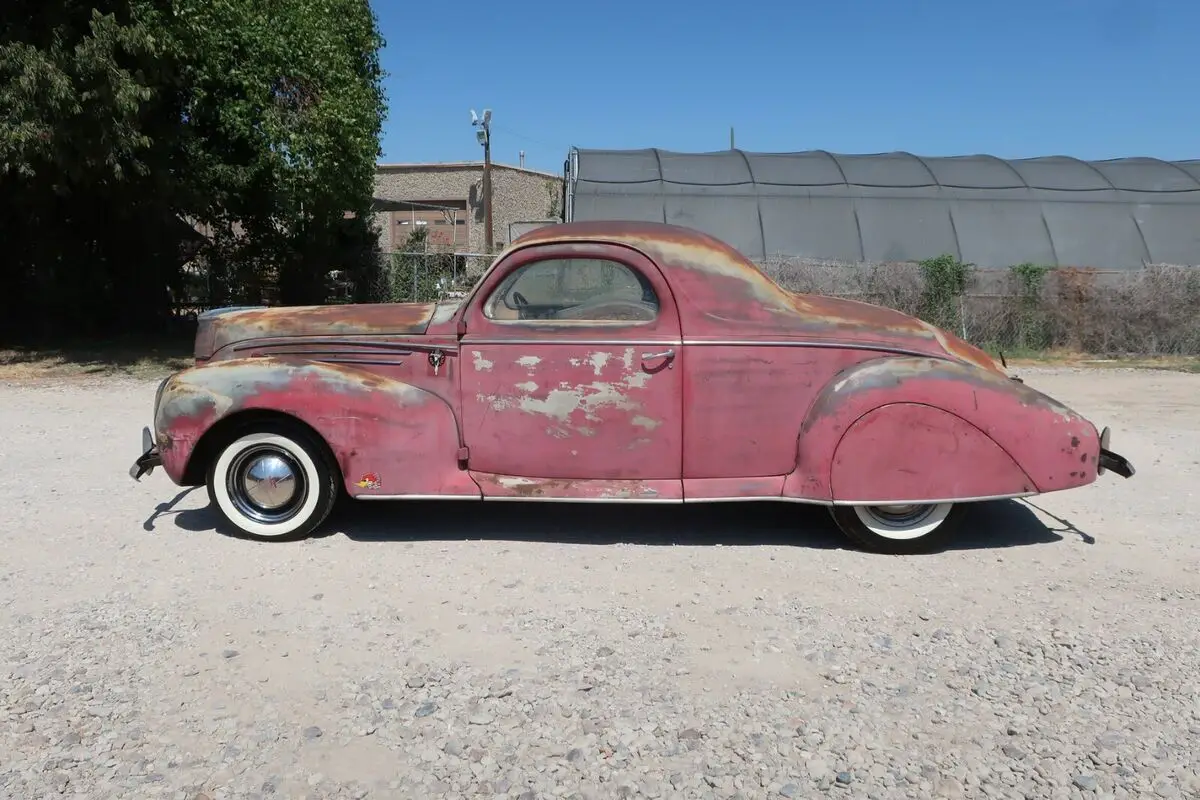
(388, 437)
(936, 418)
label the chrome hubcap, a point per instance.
(270, 482)
(901, 516)
(266, 484)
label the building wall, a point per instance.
(519, 196)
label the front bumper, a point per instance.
(1112, 461)
(148, 460)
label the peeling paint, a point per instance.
(598, 360)
(481, 363)
(527, 386)
(497, 402)
(588, 398)
(528, 361)
(513, 482)
(645, 422)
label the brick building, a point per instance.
(447, 199)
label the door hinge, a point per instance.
(463, 454)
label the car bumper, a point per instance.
(1110, 461)
(148, 460)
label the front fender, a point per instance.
(1049, 444)
(402, 435)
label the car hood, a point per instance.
(226, 326)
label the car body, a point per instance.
(611, 361)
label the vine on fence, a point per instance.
(1032, 325)
(944, 283)
(1076, 294)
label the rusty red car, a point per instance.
(612, 362)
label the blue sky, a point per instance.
(1088, 78)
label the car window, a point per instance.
(575, 289)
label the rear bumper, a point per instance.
(1110, 461)
(148, 460)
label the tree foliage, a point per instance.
(125, 124)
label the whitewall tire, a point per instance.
(273, 483)
(901, 528)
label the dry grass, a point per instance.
(139, 357)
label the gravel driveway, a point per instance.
(429, 650)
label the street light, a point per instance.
(483, 135)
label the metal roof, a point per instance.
(992, 212)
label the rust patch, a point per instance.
(891, 372)
(534, 488)
(327, 320)
(216, 389)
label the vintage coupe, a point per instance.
(611, 361)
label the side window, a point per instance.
(573, 289)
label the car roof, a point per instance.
(673, 247)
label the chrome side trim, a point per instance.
(363, 340)
(825, 345)
(758, 499)
(637, 500)
(640, 342)
(934, 502)
(416, 497)
(690, 500)
(366, 362)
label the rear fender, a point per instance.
(907, 452)
(388, 437)
(1049, 444)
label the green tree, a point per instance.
(123, 123)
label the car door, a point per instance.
(571, 376)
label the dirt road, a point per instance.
(428, 650)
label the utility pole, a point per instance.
(484, 136)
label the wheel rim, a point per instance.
(903, 521)
(266, 484)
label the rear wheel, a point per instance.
(273, 483)
(899, 529)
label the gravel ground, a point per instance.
(435, 650)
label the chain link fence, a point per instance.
(1153, 310)
(424, 277)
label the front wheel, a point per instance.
(273, 484)
(900, 529)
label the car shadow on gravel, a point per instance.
(993, 525)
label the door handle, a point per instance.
(664, 354)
